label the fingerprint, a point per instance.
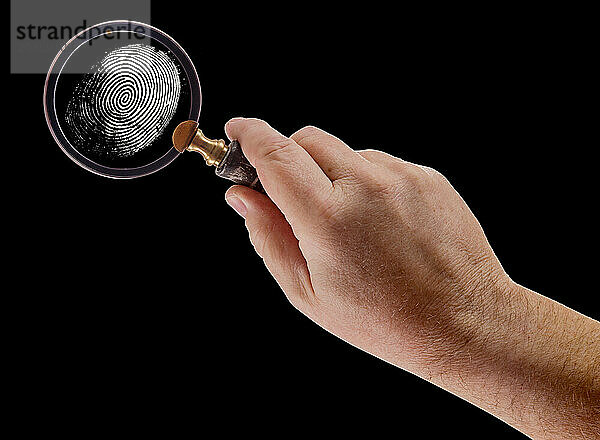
(124, 105)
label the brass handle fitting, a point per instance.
(188, 137)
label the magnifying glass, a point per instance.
(122, 99)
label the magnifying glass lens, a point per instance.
(114, 97)
(118, 113)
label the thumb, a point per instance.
(274, 241)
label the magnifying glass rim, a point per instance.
(61, 60)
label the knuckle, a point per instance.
(435, 174)
(274, 149)
(383, 184)
(373, 152)
(440, 178)
(413, 177)
(267, 142)
(437, 178)
(414, 174)
(369, 154)
(364, 179)
(348, 174)
(305, 132)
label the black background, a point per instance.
(140, 305)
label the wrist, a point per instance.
(512, 350)
(477, 329)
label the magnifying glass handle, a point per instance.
(235, 167)
(230, 160)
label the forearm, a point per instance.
(524, 358)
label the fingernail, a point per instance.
(238, 205)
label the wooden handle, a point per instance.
(235, 167)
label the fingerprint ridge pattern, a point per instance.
(124, 105)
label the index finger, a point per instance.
(289, 175)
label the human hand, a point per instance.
(386, 255)
(367, 245)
